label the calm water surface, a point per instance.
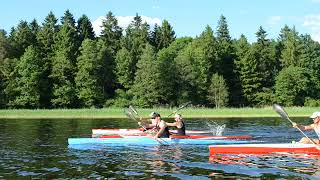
(38, 149)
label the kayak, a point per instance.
(138, 131)
(180, 136)
(144, 140)
(264, 149)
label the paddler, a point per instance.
(179, 124)
(315, 126)
(159, 125)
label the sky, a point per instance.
(187, 17)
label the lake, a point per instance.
(38, 149)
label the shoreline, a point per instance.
(118, 113)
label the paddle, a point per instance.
(181, 107)
(130, 113)
(284, 115)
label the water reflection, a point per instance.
(37, 149)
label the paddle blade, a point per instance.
(281, 112)
(129, 114)
(133, 109)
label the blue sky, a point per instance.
(188, 17)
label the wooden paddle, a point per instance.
(284, 115)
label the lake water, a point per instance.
(38, 149)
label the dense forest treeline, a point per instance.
(62, 64)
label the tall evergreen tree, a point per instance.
(85, 28)
(292, 49)
(64, 63)
(89, 78)
(162, 36)
(146, 88)
(111, 33)
(242, 48)
(46, 39)
(29, 80)
(218, 91)
(134, 42)
(21, 38)
(226, 55)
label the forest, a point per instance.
(61, 63)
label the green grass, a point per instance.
(187, 113)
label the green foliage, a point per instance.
(111, 33)
(121, 99)
(146, 86)
(89, 78)
(226, 56)
(309, 102)
(291, 86)
(218, 91)
(41, 66)
(63, 67)
(85, 28)
(28, 80)
(162, 36)
(124, 68)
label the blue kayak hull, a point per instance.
(150, 141)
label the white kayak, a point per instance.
(138, 131)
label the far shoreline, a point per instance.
(118, 113)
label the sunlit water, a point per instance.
(38, 149)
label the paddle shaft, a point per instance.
(285, 115)
(136, 112)
(181, 107)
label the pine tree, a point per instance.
(21, 38)
(218, 91)
(29, 80)
(145, 89)
(85, 28)
(226, 54)
(64, 63)
(111, 33)
(242, 48)
(46, 38)
(89, 78)
(162, 36)
(133, 42)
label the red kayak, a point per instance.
(264, 149)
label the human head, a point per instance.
(315, 116)
(177, 117)
(154, 115)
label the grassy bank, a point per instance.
(187, 113)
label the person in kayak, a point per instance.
(179, 124)
(158, 125)
(315, 126)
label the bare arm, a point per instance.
(309, 127)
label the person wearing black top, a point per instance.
(179, 124)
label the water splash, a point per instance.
(216, 128)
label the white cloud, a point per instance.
(313, 23)
(274, 20)
(123, 21)
(315, 1)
